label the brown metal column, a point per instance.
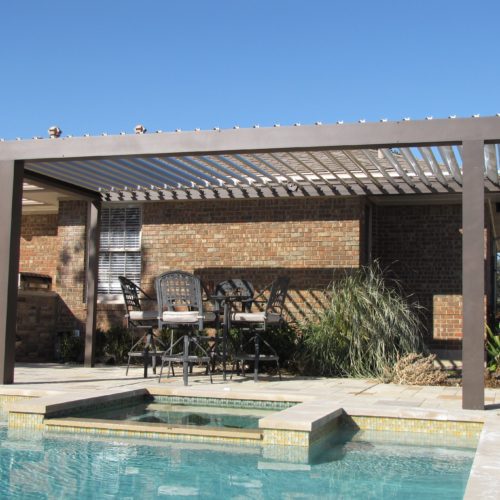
(473, 275)
(93, 221)
(11, 180)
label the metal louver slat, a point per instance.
(379, 167)
(363, 169)
(397, 167)
(449, 158)
(490, 161)
(329, 171)
(413, 163)
(430, 159)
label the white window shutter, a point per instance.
(120, 251)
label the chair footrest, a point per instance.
(251, 357)
(191, 359)
(135, 354)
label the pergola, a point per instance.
(427, 157)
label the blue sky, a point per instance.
(93, 66)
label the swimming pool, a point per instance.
(349, 465)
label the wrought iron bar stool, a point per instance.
(257, 323)
(137, 318)
(180, 307)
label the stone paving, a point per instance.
(70, 378)
(361, 396)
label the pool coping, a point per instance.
(310, 414)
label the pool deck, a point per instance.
(355, 396)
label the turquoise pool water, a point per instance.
(183, 414)
(62, 466)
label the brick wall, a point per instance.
(39, 244)
(70, 281)
(310, 240)
(55, 245)
(447, 321)
(36, 326)
(306, 239)
(423, 247)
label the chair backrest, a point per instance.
(179, 291)
(276, 300)
(237, 286)
(130, 294)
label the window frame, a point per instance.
(110, 297)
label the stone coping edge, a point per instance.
(50, 405)
(226, 393)
(307, 417)
(484, 478)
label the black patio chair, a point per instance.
(242, 290)
(180, 307)
(138, 319)
(234, 295)
(257, 323)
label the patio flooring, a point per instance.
(358, 392)
(355, 396)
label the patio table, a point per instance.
(227, 302)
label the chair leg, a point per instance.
(132, 350)
(161, 371)
(273, 350)
(185, 361)
(257, 355)
(153, 358)
(170, 366)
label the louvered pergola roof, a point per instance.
(294, 172)
(324, 172)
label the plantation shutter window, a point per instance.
(120, 248)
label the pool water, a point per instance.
(182, 414)
(62, 466)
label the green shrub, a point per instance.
(493, 350)
(283, 339)
(117, 343)
(71, 348)
(367, 326)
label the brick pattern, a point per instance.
(310, 240)
(422, 245)
(36, 326)
(307, 239)
(71, 265)
(39, 243)
(447, 316)
(56, 245)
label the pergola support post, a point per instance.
(11, 180)
(93, 221)
(473, 275)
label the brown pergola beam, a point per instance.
(473, 275)
(11, 180)
(93, 228)
(46, 182)
(310, 137)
